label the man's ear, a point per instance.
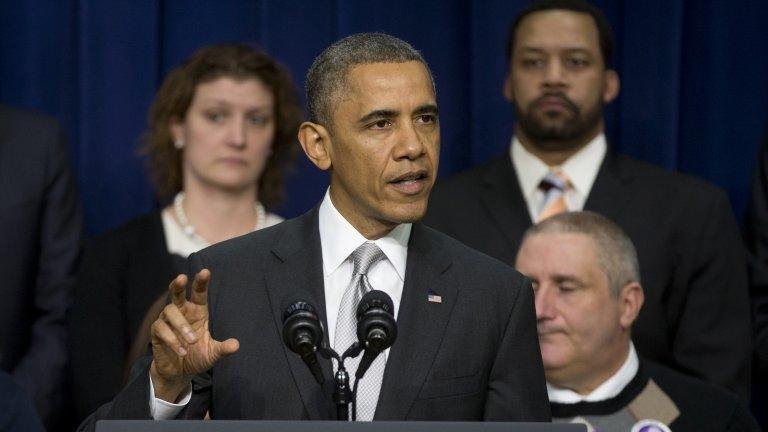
(508, 93)
(612, 86)
(315, 140)
(631, 298)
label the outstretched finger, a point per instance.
(200, 287)
(163, 335)
(225, 348)
(177, 290)
(178, 322)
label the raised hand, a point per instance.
(182, 346)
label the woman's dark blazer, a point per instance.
(122, 274)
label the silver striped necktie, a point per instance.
(346, 331)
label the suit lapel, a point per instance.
(421, 325)
(609, 192)
(298, 267)
(502, 196)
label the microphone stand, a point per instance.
(342, 395)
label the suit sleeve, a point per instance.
(756, 239)
(516, 389)
(132, 403)
(713, 337)
(41, 370)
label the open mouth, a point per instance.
(411, 177)
(411, 182)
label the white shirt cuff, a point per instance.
(162, 410)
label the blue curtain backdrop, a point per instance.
(694, 77)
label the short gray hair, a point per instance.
(616, 255)
(327, 75)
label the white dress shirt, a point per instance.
(338, 239)
(608, 389)
(581, 169)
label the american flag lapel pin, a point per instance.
(434, 298)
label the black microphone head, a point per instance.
(375, 299)
(297, 303)
(302, 330)
(376, 326)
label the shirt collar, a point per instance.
(338, 239)
(581, 168)
(608, 389)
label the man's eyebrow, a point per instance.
(531, 49)
(389, 113)
(571, 49)
(426, 109)
(560, 278)
(578, 50)
(378, 114)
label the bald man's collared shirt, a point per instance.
(581, 169)
(607, 390)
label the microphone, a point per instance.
(376, 327)
(303, 333)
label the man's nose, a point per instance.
(410, 144)
(544, 302)
(554, 74)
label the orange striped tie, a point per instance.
(554, 185)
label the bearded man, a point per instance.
(696, 316)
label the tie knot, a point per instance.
(365, 256)
(554, 179)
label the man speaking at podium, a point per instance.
(466, 348)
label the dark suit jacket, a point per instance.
(18, 413)
(122, 273)
(40, 230)
(701, 405)
(474, 356)
(696, 312)
(756, 238)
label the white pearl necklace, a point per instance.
(189, 229)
